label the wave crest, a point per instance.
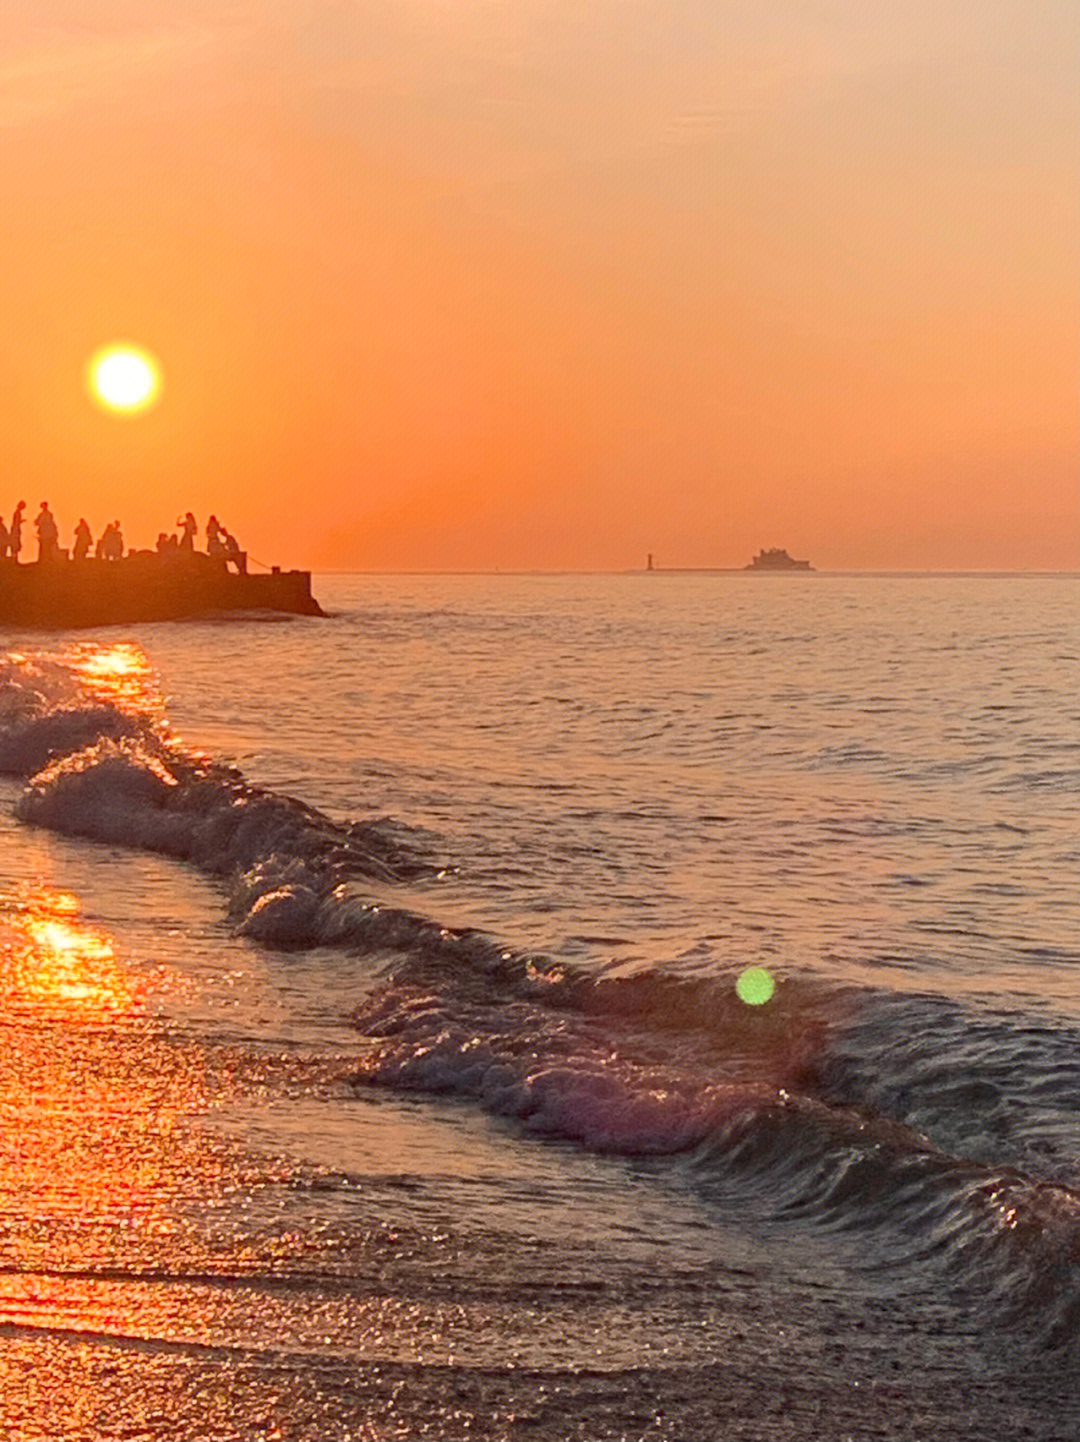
(648, 1064)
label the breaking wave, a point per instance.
(818, 1099)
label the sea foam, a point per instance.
(646, 1064)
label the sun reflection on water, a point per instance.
(107, 1166)
(56, 967)
(90, 1102)
(132, 1228)
(119, 674)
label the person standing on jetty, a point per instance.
(81, 549)
(110, 546)
(15, 531)
(45, 525)
(189, 530)
(3, 540)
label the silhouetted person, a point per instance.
(3, 540)
(47, 534)
(83, 539)
(188, 530)
(111, 545)
(15, 531)
(233, 554)
(214, 533)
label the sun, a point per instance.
(123, 377)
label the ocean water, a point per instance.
(372, 1062)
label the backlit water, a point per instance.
(372, 1062)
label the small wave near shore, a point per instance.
(792, 1101)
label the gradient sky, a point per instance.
(457, 284)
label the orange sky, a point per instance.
(458, 284)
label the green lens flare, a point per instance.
(755, 986)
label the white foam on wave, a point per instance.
(49, 709)
(284, 862)
(635, 1065)
(87, 731)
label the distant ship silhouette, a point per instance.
(776, 559)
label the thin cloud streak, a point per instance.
(53, 77)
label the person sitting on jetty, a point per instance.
(15, 531)
(83, 540)
(220, 546)
(48, 535)
(189, 529)
(234, 556)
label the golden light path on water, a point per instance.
(62, 970)
(119, 674)
(84, 1119)
(147, 1251)
(118, 1203)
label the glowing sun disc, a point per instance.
(124, 377)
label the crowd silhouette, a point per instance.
(221, 547)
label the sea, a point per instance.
(546, 1007)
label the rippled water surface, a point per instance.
(373, 1063)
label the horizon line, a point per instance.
(687, 571)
